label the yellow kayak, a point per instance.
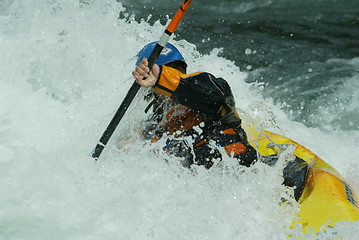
(325, 197)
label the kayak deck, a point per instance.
(325, 198)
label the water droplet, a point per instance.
(248, 51)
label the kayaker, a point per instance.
(196, 112)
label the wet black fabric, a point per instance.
(295, 175)
(211, 97)
(204, 93)
(202, 148)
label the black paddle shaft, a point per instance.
(135, 87)
(123, 107)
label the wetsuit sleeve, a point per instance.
(200, 91)
(231, 137)
(212, 97)
(234, 141)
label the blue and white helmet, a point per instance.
(169, 54)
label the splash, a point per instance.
(65, 67)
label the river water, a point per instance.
(65, 67)
(304, 53)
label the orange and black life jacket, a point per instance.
(200, 107)
(199, 117)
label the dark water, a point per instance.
(306, 52)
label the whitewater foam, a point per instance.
(65, 68)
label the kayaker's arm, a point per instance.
(200, 91)
(212, 97)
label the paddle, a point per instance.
(135, 87)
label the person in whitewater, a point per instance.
(195, 111)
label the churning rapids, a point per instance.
(65, 67)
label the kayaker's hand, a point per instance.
(143, 76)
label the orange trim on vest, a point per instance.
(162, 91)
(229, 131)
(235, 149)
(190, 75)
(201, 142)
(170, 79)
(181, 119)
